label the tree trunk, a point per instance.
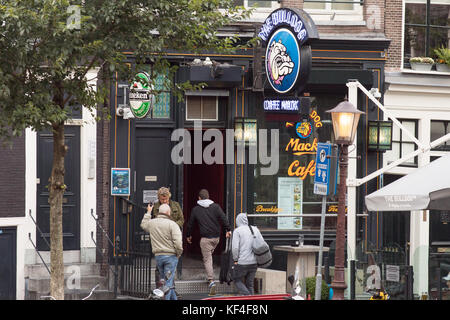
(56, 190)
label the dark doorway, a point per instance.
(71, 199)
(7, 263)
(154, 168)
(197, 177)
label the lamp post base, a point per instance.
(338, 285)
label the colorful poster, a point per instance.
(120, 181)
(290, 201)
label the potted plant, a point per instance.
(421, 63)
(443, 59)
(311, 289)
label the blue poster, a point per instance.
(120, 181)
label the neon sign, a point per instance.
(299, 147)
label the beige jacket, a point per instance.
(165, 235)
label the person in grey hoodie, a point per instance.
(210, 217)
(244, 267)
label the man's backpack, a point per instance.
(261, 250)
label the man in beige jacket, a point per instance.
(167, 244)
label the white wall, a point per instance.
(425, 100)
(26, 254)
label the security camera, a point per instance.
(119, 111)
(375, 92)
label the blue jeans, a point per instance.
(168, 263)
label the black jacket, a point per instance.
(209, 220)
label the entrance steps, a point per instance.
(79, 280)
(192, 282)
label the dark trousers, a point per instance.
(243, 277)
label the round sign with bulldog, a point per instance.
(282, 60)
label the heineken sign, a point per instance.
(140, 95)
(287, 33)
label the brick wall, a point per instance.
(383, 19)
(12, 178)
(394, 14)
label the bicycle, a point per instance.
(85, 298)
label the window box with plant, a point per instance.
(421, 63)
(443, 59)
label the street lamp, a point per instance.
(345, 117)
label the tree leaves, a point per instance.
(43, 58)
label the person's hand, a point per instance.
(189, 240)
(228, 234)
(149, 208)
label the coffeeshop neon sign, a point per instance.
(299, 147)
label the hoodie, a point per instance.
(243, 241)
(210, 217)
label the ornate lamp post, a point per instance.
(345, 117)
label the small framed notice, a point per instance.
(120, 181)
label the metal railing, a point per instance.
(113, 246)
(135, 273)
(43, 238)
(132, 256)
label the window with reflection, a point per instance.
(290, 191)
(426, 28)
(402, 144)
(330, 4)
(439, 129)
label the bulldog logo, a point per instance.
(279, 62)
(303, 129)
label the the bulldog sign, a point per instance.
(287, 34)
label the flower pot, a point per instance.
(418, 66)
(442, 67)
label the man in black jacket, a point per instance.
(208, 215)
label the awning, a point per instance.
(427, 187)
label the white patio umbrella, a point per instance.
(427, 187)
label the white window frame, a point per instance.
(337, 15)
(192, 119)
(260, 14)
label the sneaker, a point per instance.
(212, 288)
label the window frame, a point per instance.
(446, 145)
(428, 26)
(201, 108)
(401, 142)
(357, 9)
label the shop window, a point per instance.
(439, 129)
(202, 108)
(290, 190)
(402, 145)
(426, 28)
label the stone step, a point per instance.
(87, 282)
(188, 288)
(36, 271)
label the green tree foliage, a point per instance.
(47, 48)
